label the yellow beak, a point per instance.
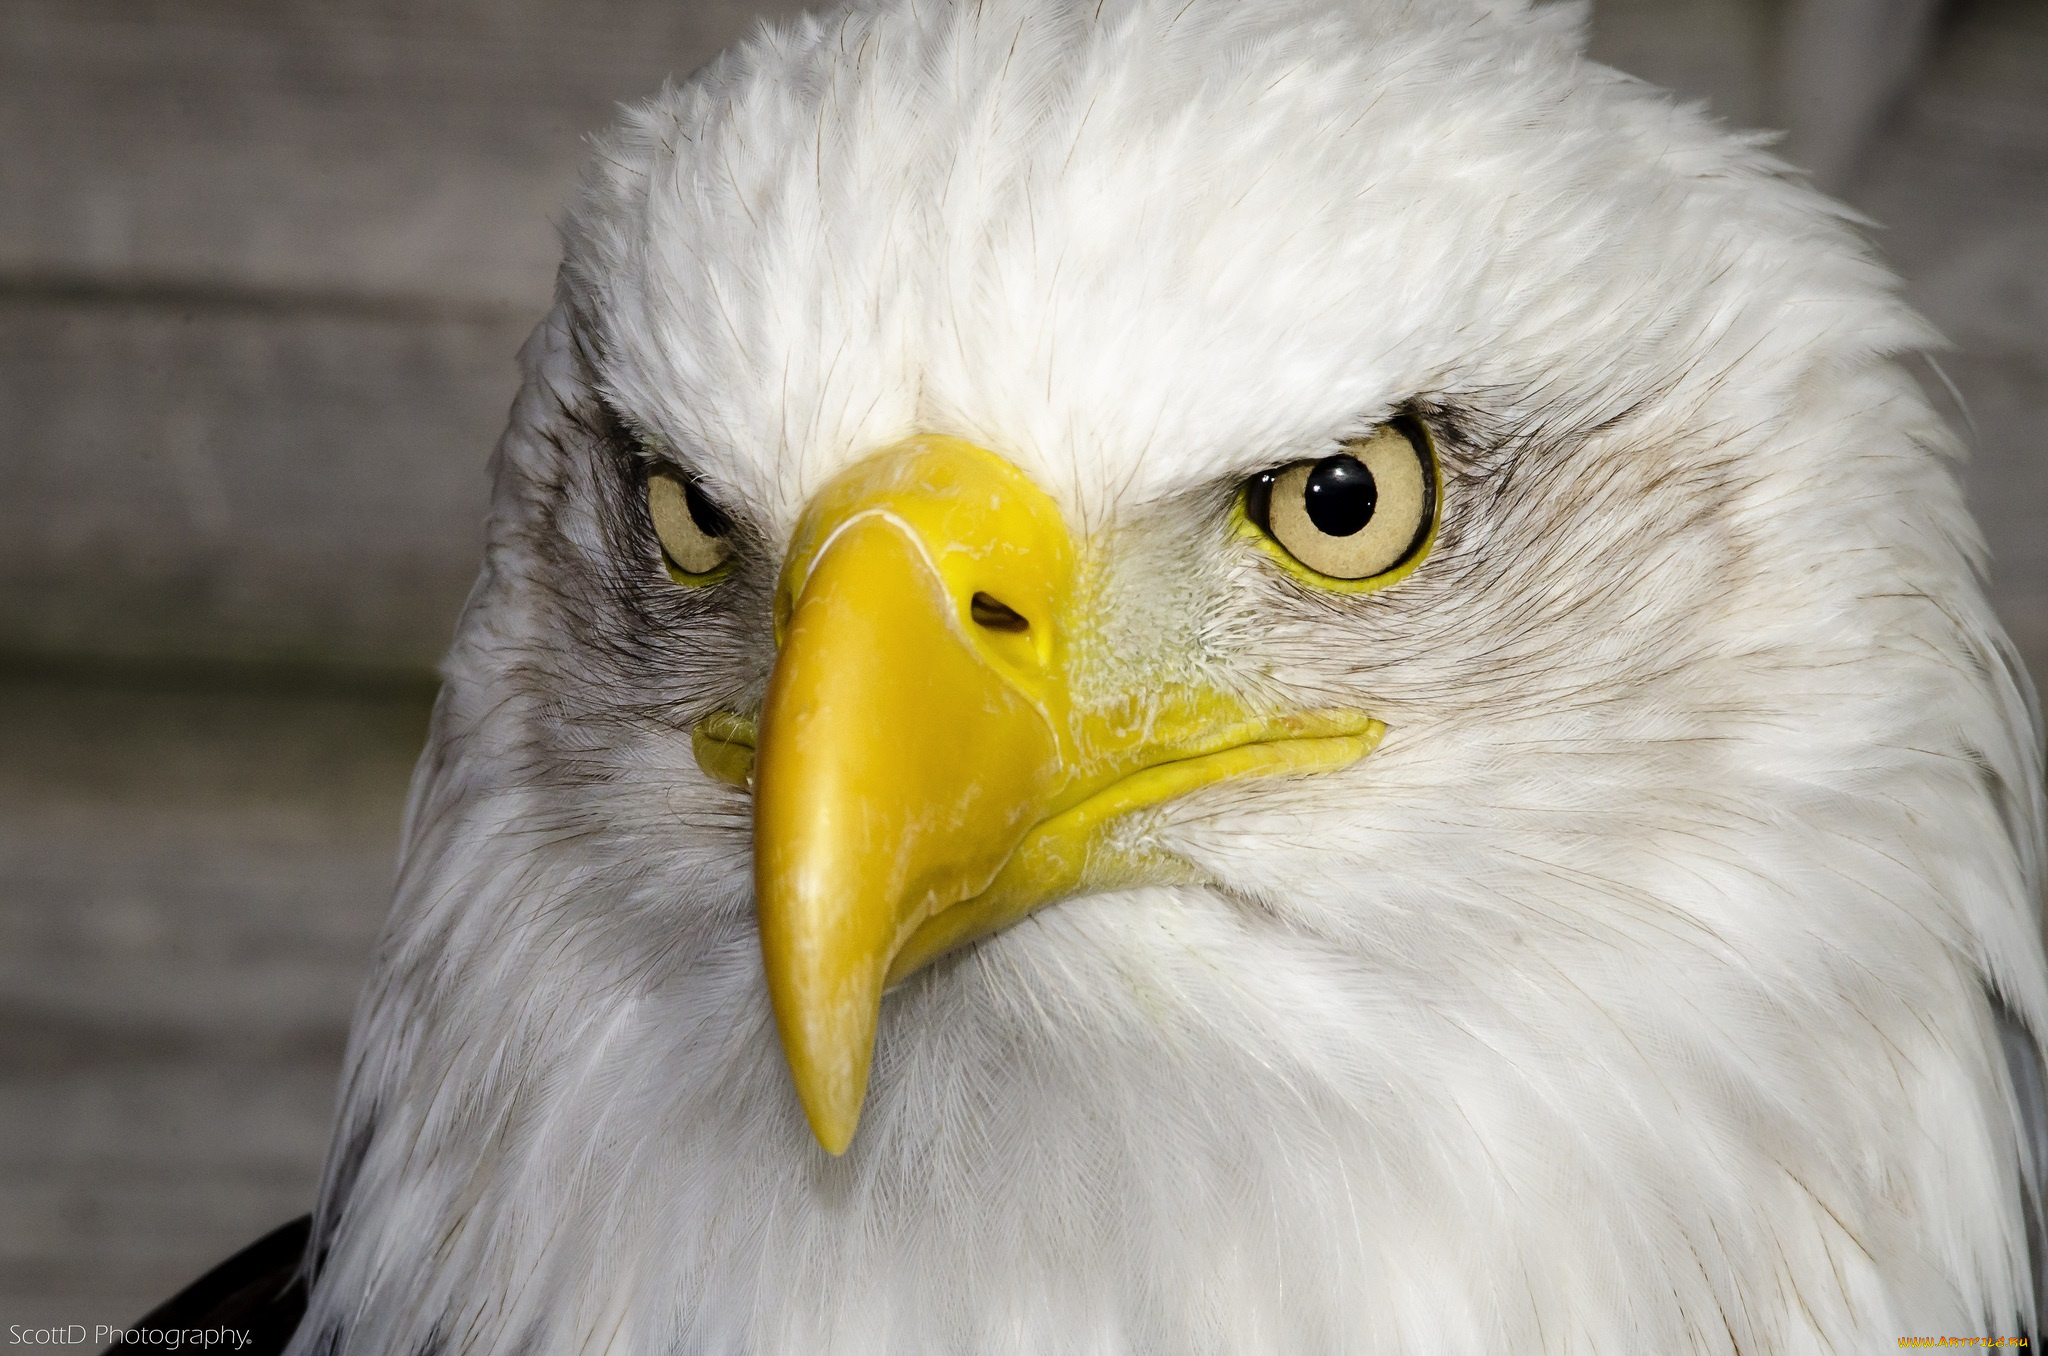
(925, 774)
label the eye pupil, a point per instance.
(1340, 496)
(709, 517)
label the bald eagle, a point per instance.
(1174, 676)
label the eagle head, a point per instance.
(1169, 676)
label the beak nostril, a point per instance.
(995, 614)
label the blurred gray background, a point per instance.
(263, 268)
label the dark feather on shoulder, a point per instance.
(260, 1292)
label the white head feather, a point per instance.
(1631, 997)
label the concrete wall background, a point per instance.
(263, 267)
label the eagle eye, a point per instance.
(696, 535)
(1358, 519)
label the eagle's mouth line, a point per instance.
(1174, 777)
(724, 740)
